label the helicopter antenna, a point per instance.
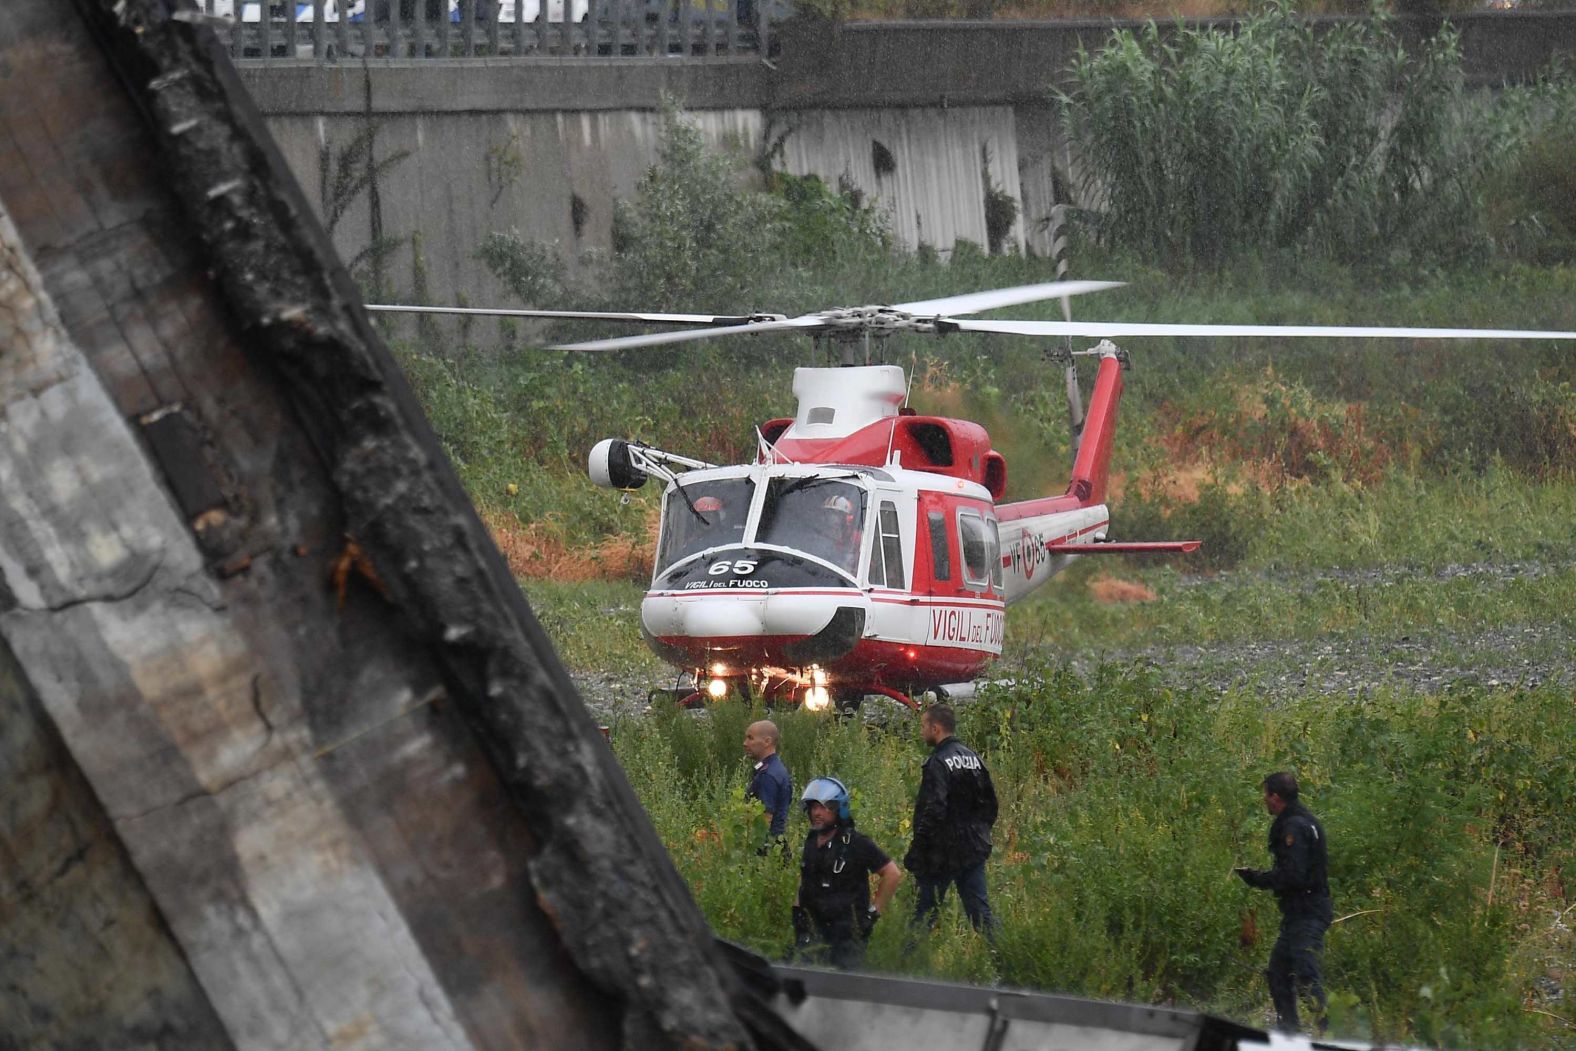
(1075, 407)
(769, 450)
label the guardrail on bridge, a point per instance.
(332, 30)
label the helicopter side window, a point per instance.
(940, 557)
(886, 563)
(976, 550)
(823, 517)
(712, 515)
(993, 552)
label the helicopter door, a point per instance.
(889, 550)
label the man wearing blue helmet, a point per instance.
(833, 908)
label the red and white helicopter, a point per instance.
(865, 550)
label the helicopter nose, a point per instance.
(735, 618)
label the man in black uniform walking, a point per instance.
(953, 815)
(1300, 880)
(833, 908)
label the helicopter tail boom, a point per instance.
(1092, 468)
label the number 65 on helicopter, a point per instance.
(867, 550)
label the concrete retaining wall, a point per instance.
(546, 146)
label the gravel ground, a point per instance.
(1424, 660)
(1528, 655)
(611, 696)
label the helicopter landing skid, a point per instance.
(888, 692)
(846, 698)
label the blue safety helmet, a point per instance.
(827, 790)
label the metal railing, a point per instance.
(334, 30)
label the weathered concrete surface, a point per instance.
(445, 181)
(452, 179)
(356, 801)
(537, 85)
(934, 164)
(85, 959)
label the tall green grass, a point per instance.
(1127, 802)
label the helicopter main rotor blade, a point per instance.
(581, 315)
(654, 339)
(974, 302)
(1118, 329)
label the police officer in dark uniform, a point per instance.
(833, 909)
(1300, 880)
(953, 815)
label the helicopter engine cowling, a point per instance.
(611, 466)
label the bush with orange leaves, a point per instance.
(1275, 431)
(541, 551)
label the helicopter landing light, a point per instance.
(817, 699)
(717, 688)
(719, 669)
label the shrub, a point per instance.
(691, 239)
(529, 269)
(1534, 212)
(823, 227)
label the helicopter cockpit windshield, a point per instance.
(704, 514)
(819, 516)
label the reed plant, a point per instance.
(1197, 145)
